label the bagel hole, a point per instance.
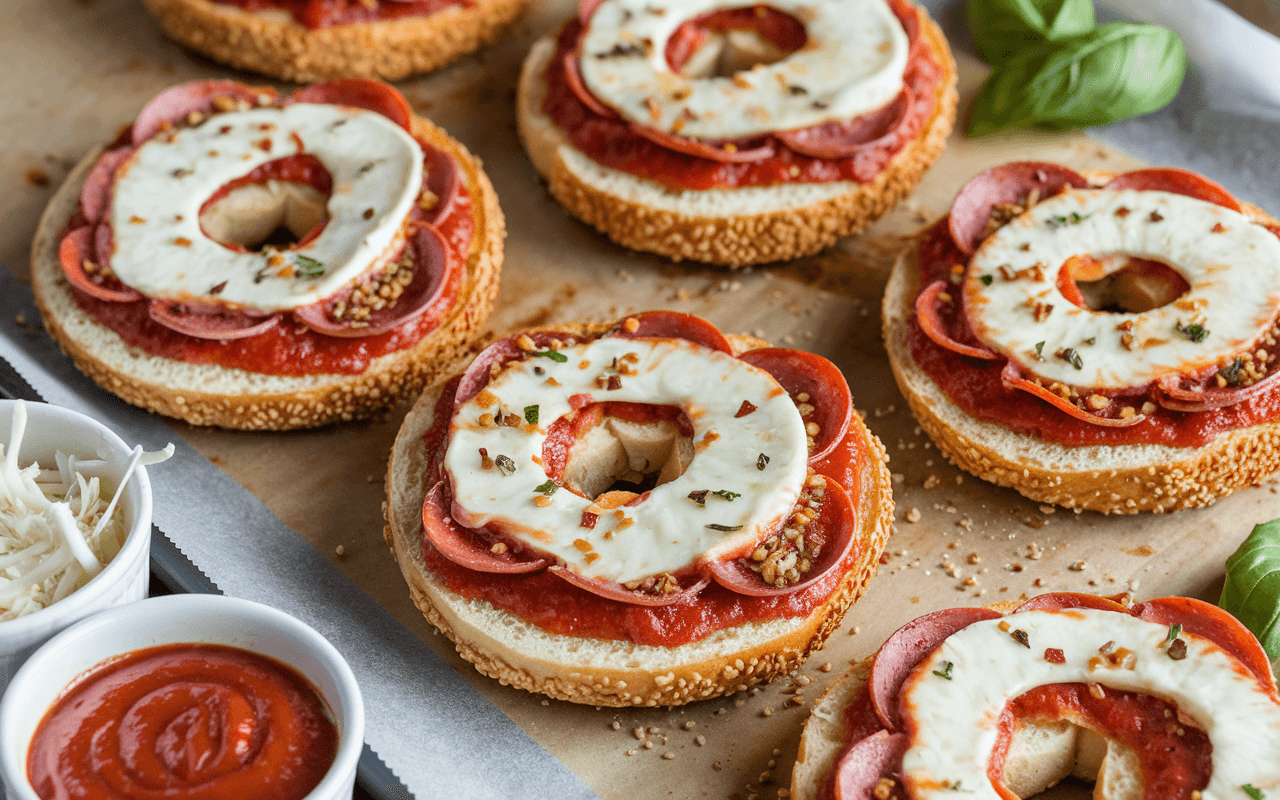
(1120, 284)
(623, 448)
(723, 43)
(279, 205)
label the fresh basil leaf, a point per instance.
(1117, 71)
(1003, 28)
(1252, 591)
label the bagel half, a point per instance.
(273, 43)
(208, 394)
(729, 227)
(1120, 479)
(616, 673)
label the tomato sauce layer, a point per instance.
(975, 386)
(552, 604)
(327, 13)
(612, 143)
(291, 349)
(186, 721)
(1176, 758)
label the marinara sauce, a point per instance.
(188, 721)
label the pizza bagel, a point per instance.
(1171, 699)
(1101, 341)
(246, 260)
(736, 135)
(637, 514)
(317, 40)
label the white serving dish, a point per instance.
(191, 618)
(126, 577)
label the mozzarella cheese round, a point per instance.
(852, 63)
(1016, 308)
(665, 532)
(953, 723)
(160, 249)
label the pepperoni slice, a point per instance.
(500, 352)
(833, 529)
(1011, 378)
(1173, 397)
(95, 197)
(737, 151)
(933, 326)
(573, 77)
(672, 325)
(431, 272)
(210, 320)
(442, 180)
(847, 139)
(862, 766)
(1210, 622)
(465, 547)
(1008, 183)
(359, 93)
(1061, 601)
(907, 647)
(175, 104)
(1176, 181)
(800, 372)
(73, 252)
(613, 591)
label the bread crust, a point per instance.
(724, 226)
(615, 673)
(1124, 479)
(208, 394)
(273, 43)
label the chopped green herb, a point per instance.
(726, 528)
(1231, 372)
(946, 670)
(551, 354)
(699, 497)
(727, 495)
(505, 464)
(364, 167)
(1252, 791)
(762, 462)
(1039, 348)
(309, 267)
(1174, 632)
(1069, 355)
(986, 280)
(1091, 340)
(1192, 333)
(548, 488)
(1073, 219)
(531, 415)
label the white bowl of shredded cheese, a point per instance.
(48, 579)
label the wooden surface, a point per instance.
(77, 71)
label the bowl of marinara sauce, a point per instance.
(194, 697)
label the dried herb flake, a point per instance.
(505, 464)
(725, 528)
(1192, 333)
(762, 462)
(531, 415)
(547, 489)
(946, 670)
(559, 358)
(700, 496)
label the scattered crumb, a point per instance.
(1047, 509)
(341, 551)
(826, 667)
(631, 752)
(647, 745)
(700, 740)
(617, 726)
(898, 477)
(1079, 566)
(913, 515)
(638, 733)
(668, 756)
(37, 177)
(690, 725)
(932, 482)
(973, 558)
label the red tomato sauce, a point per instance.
(610, 142)
(288, 348)
(1176, 758)
(554, 605)
(327, 13)
(188, 721)
(975, 387)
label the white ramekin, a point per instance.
(190, 618)
(126, 577)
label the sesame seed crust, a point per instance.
(273, 43)
(207, 394)
(1125, 479)
(800, 219)
(615, 673)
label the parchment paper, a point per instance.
(75, 72)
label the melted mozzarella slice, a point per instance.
(1234, 275)
(161, 251)
(852, 63)
(953, 723)
(666, 531)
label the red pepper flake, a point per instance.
(589, 520)
(1020, 636)
(1218, 228)
(224, 130)
(263, 144)
(297, 140)
(745, 409)
(1055, 656)
(615, 383)
(218, 289)
(182, 241)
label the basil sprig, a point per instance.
(1113, 72)
(1252, 590)
(1003, 28)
